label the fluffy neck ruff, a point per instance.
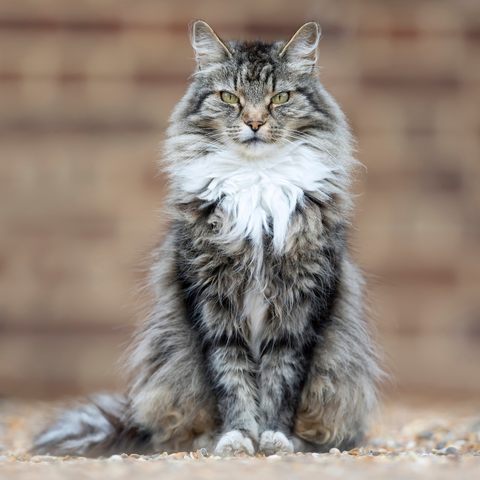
(259, 193)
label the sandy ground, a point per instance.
(415, 437)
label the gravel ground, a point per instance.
(415, 437)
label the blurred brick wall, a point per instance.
(86, 88)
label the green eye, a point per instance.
(280, 98)
(228, 97)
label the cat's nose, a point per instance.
(254, 124)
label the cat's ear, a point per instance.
(301, 49)
(208, 47)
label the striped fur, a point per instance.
(257, 340)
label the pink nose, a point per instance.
(254, 124)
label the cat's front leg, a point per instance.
(284, 364)
(232, 370)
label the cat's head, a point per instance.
(253, 97)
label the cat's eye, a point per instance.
(228, 97)
(280, 98)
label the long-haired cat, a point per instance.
(257, 340)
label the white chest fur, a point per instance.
(260, 193)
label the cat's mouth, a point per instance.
(254, 141)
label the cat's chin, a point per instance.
(256, 149)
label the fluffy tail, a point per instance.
(99, 428)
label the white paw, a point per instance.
(232, 442)
(272, 442)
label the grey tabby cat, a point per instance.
(257, 341)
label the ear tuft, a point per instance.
(302, 47)
(208, 47)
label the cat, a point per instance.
(258, 339)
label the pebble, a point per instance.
(425, 435)
(115, 458)
(448, 451)
(3, 458)
(274, 458)
(390, 443)
(46, 458)
(178, 456)
(334, 451)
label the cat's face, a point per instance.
(254, 97)
(255, 100)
